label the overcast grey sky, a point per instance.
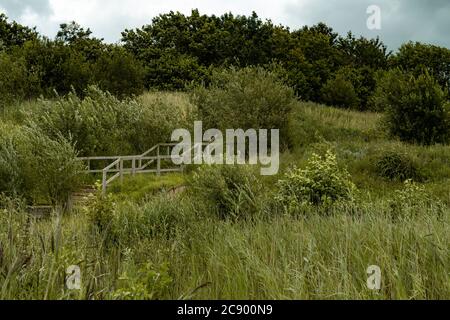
(401, 20)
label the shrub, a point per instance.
(397, 166)
(413, 200)
(118, 72)
(171, 71)
(16, 83)
(229, 191)
(100, 214)
(245, 98)
(11, 177)
(148, 282)
(124, 222)
(61, 68)
(322, 182)
(52, 165)
(37, 167)
(339, 92)
(416, 109)
(160, 218)
(162, 112)
(101, 124)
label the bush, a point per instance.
(339, 92)
(413, 200)
(416, 109)
(397, 166)
(245, 98)
(148, 282)
(100, 124)
(11, 177)
(118, 72)
(124, 222)
(322, 182)
(16, 83)
(37, 167)
(174, 72)
(53, 168)
(229, 191)
(61, 68)
(162, 112)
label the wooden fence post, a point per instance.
(158, 162)
(104, 183)
(121, 170)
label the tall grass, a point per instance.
(202, 257)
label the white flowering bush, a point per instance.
(412, 200)
(322, 182)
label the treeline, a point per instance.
(176, 50)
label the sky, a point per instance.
(401, 20)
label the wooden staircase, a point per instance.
(157, 159)
(78, 199)
(82, 197)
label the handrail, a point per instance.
(105, 182)
(137, 165)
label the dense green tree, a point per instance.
(172, 71)
(415, 57)
(60, 67)
(80, 40)
(311, 60)
(363, 52)
(119, 72)
(340, 92)
(16, 81)
(13, 34)
(416, 108)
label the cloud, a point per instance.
(16, 8)
(402, 20)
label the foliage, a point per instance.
(100, 124)
(120, 223)
(414, 57)
(174, 72)
(16, 83)
(245, 98)
(148, 283)
(172, 247)
(11, 178)
(51, 165)
(322, 182)
(60, 67)
(210, 39)
(416, 109)
(72, 32)
(118, 72)
(34, 166)
(13, 34)
(397, 166)
(229, 191)
(340, 92)
(413, 200)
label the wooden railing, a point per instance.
(159, 156)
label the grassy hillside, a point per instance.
(143, 242)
